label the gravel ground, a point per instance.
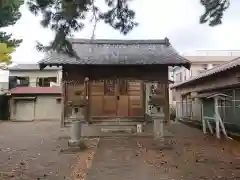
(192, 156)
(39, 150)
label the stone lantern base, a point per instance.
(160, 140)
(75, 133)
(76, 129)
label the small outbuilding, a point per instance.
(35, 103)
(107, 82)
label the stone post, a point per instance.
(76, 127)
(158, 123)
(158, 118)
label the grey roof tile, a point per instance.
(127, 52)
(217, 69)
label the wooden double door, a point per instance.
(117, 98)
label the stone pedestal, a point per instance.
(160, 141)
(75, 133)
(158, 123)
(76, 128)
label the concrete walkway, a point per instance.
(117, 158)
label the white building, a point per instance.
(30, 75)
(200, 61)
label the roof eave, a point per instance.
(187, 65)
(44, 65)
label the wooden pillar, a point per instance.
(86, 98)
(216, 117)
(143, 94)
(89, 108)
(63, 103)
(167, 107)
(12, 108)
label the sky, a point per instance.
(176, 19)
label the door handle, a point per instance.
(118, 97)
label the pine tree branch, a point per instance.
(65, 17)
(9, 14)
(214, 10)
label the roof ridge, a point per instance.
(120, 41)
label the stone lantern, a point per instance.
(157, 100)
(78, 119)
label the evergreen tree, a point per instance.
(214, 10)
(9, 14)
(66, 17)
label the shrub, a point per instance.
(172, 113)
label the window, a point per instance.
(185, 75)
(109, 87)
(179, 77)
(173, 95)
(76, 110)
(22, 81)
(45, 82)
(123, 87)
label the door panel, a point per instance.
(135, 106)
(110, 98)
(97, 95)
(135, 99)
(97, 106)
(122, 99)
(110, 106)
(122, 106)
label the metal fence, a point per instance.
(229, 111)
(191, 110)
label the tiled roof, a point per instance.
(35, 90)
(217, 69)
(30, 67)
(123, 52)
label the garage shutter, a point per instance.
(24, 110)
